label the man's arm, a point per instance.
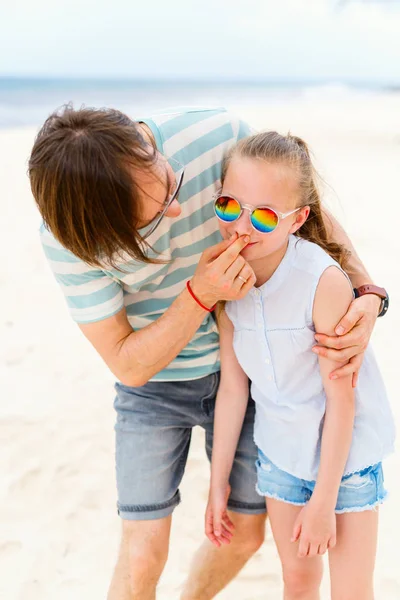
(354, 268)
(136, 356)
(354, 330)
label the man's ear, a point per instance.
(301, 218)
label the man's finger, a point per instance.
(235, 268)
(352, 367)
(337, 355)
(349, 320)
(353, 338)
(247, 286)
(214, 251)
(230, 254)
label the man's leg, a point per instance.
(152, 441)
(142, 557)
(213, 568)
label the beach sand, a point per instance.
(59, 528)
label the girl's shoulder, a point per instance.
(311, 258)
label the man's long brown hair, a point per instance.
(81, 174)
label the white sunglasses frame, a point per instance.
(251, 209)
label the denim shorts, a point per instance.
(153, 432)
(358, 492)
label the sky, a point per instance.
(202, 39)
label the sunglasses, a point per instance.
(179, 174)
(263, 218)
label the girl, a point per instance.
(321, 442)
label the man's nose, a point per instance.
(174, 210)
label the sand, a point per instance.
(59, 528)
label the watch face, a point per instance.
(385, 306)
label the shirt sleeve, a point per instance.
(241, 129)
(244, 130)
(91, 294)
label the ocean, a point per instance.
(27, 102)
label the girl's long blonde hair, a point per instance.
(293, 152)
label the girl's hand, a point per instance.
(218, 526)
(315, 529)
(353, 334)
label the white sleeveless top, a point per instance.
(273, 337)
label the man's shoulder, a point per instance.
(181, 126)
(61, 260)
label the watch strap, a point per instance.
(377, 291)
(370, 289)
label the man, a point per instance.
(122, 249)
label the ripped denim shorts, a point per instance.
(358, 492)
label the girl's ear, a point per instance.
(301, 218)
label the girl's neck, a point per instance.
(266, 266)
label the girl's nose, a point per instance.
(243, 225)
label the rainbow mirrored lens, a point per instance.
(227, 209)
(264, 220)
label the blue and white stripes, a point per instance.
(198, 139)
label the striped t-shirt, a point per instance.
(198, 139)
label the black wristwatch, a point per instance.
(378, 291)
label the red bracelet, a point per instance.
(197, 300)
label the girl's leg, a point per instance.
(301, 576)
(352, 560)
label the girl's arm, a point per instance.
(231, 404)
(315, 526)
(332, 299)
(348, 342)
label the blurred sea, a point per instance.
(25, 102)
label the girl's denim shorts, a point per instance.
(358, 492)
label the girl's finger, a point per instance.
(227, 522)
(224, 538)
(313, 550)
(296, 532)
(226, 532)
(217, 522)
(304, 548)
(332, 542)
(322, 549)
(355, 379)
(213, 539)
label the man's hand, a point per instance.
(315, 529)
(353, 335)
(222, 273)
(218, 526)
